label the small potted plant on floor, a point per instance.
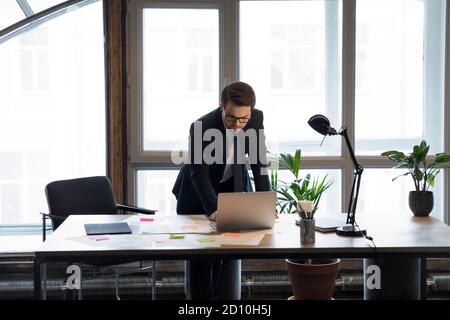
(422, 172)
(311, 279)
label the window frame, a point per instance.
(447, 112)
(229, 69)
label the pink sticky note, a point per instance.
(147, 219)
(232, 235)
(98, 238)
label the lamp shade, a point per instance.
(320, 123)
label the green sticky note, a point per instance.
(176, 236)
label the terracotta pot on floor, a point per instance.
(313, 281)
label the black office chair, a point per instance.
(90, 195)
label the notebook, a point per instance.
(107, 228)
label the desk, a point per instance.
(415, 237)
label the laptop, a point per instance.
(245, 211)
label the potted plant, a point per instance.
(423, 173)
(298, 189)
(311, 279)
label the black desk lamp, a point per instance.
(321, 124)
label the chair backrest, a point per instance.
(90, 195)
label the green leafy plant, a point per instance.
(306, 188)
(423, 172)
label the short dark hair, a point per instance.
(240, 93)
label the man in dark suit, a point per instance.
(218, 142)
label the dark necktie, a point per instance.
(237, 170)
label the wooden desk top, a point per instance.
(407, 236)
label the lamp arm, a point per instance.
(356, 179)
(343, 132)
(354, 197)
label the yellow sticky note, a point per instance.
(176, 237)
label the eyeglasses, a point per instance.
(233, 119)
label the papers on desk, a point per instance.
(190, 224)
(145, 225)
(153, 229)
(129, 241)
(190, 231)
(171, 224)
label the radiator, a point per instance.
(170, 285)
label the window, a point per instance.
(34, 62)
(329, 204)
(399, 74)
(180, 73)
(10, 13)
(155, 190)
(52, 110)
(40, 5)
(292, 46)
(399, 97)
(289, 53)
(380, 195)
(298, 56)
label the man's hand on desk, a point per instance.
(212, 216)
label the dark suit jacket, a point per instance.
(197, 185)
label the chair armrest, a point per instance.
(135, 209)
(52, 216)
(44, 227)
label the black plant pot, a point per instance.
(421, 203)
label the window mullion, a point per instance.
(25, 7)
(229, 42)
(332, 54)
(432, 64)
(447, 113)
